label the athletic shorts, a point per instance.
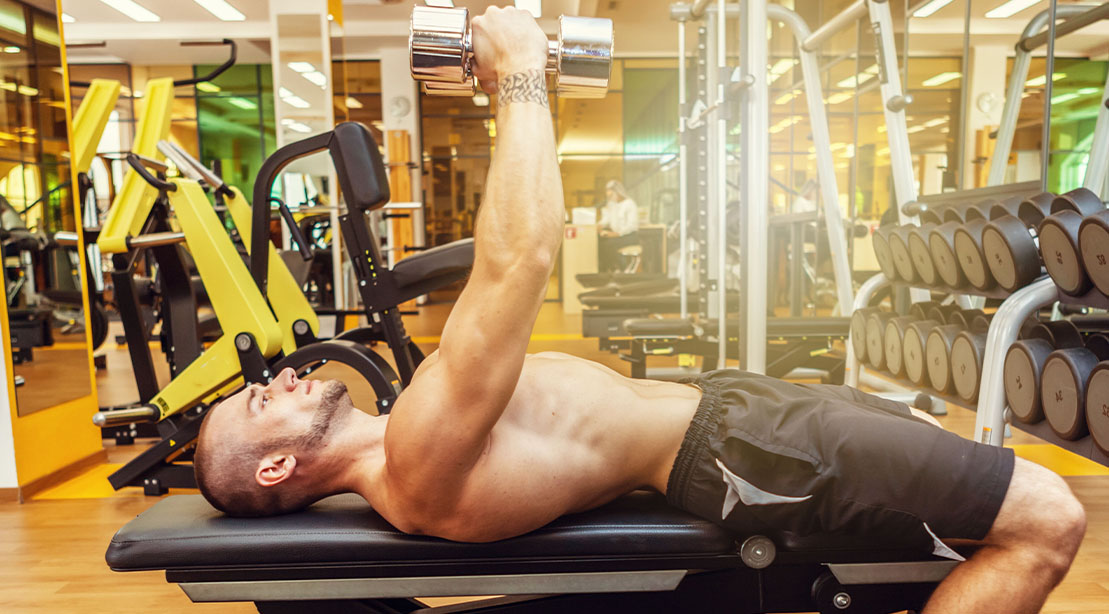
(763, 456)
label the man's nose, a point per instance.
(285, 381)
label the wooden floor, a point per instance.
(53, 547)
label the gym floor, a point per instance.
(54, 544)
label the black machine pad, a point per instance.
(452, 258)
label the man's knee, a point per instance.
(1042, 516)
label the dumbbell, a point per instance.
(893, 342)
(1093, 241)
(441, 53)
(1010, 240)
(1024, 363)
(1059, 248)
(968, 248)
(899, 251)
(941, 313)
(858, 330)
(1063, 390)
(974, 320)
(921, 254)
(967, 353)
(937, 354)
(920, 310)
(941, 243)
(1097, 404)
(882, 254)
(912, 350)
(875, 346)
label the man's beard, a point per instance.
(331, 412)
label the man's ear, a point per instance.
(275, 469)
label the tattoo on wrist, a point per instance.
(526, 86)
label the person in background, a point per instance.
(619, 225)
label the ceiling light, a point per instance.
(856, 80)
(916, 129)
(939, 121)
(1086, 91)
(780, 68)
(243, 103)
(352, 103)
(292, 99)
(786, 97)
(1010, 8)
(67, 18)
(302, 67)
(928, 9)
(316, 77)
(941, 78)
(885, 151)
(839, 97)
(221, 9)
(1061, 98)
(440, 3)
(1042, 79)
(535, 7)
(205, 86)
(132, 9)
(11, 49)
(298, 127)
(29, 91)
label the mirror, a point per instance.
(44, 272)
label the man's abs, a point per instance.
(574, 436)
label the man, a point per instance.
(488, 443)
(619, 225)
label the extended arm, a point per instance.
(440, 425)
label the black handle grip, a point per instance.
(219, 70)
(294, 230)
(138, 163)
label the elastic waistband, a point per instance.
(710, 411)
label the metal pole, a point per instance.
(825, 169)
(722, 182)
(964, 103)
(1049, 85)
(1083, 15)
(683, 179)
(755, 198)
(848, 16)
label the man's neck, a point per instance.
(358, 456)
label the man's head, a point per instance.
(615, 192)
(260, 452)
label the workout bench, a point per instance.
(636, 554)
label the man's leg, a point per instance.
(1026, 553)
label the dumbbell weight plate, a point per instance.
(1011, 253)
(858, 330)
(980, 211)
(966, 364)
(921, 255)
(1008, 206)
(1098, 343)
(937, 354)
(899, 250)
(439, 45)
(968, 250)
(1034, 209)
(1063, 391)
(1097, 406)
(875, 347)
(941, 242)
(942, 313)
(1080, 200)
(1024, 363)
(893, 340)
(929, 216)
(912, 350)
(1061, 334)
(1093, 244)
(1060, 252)
(882, 253)
(583, 56)
(952, 214)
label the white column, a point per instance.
(986, 83)
(400, 108)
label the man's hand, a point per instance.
(507, 42)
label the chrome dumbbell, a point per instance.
(441, 53)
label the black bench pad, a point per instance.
(454, 257)
(183, 531)
(656, 327)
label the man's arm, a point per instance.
(440, 425)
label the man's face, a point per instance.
(286, 407)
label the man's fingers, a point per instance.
(489, 86)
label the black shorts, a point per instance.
(764, 455)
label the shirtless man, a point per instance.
(488, 442)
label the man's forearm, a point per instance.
(523, 212)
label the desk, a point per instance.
(579, 255)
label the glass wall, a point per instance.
(235, 117)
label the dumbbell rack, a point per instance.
(1004, 329)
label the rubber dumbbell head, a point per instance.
(1011, 252)
(1001, 208)
(921, 255)
(899, 251)
(893, 341)
(1024, 363)
(875, 345)
(937, 354)
(1098, 343)
(858, 330)
(967, 352)
(952, 214)
(1093, 244)
(1097, 406)
(941, 242)
(972, 259)
(1061, 334)
(1063, 391)
(919, 310)
(1080, 200)
(1034, 209)
(1060, 252)
(912, 350)
(880, 240)
(942, 313)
